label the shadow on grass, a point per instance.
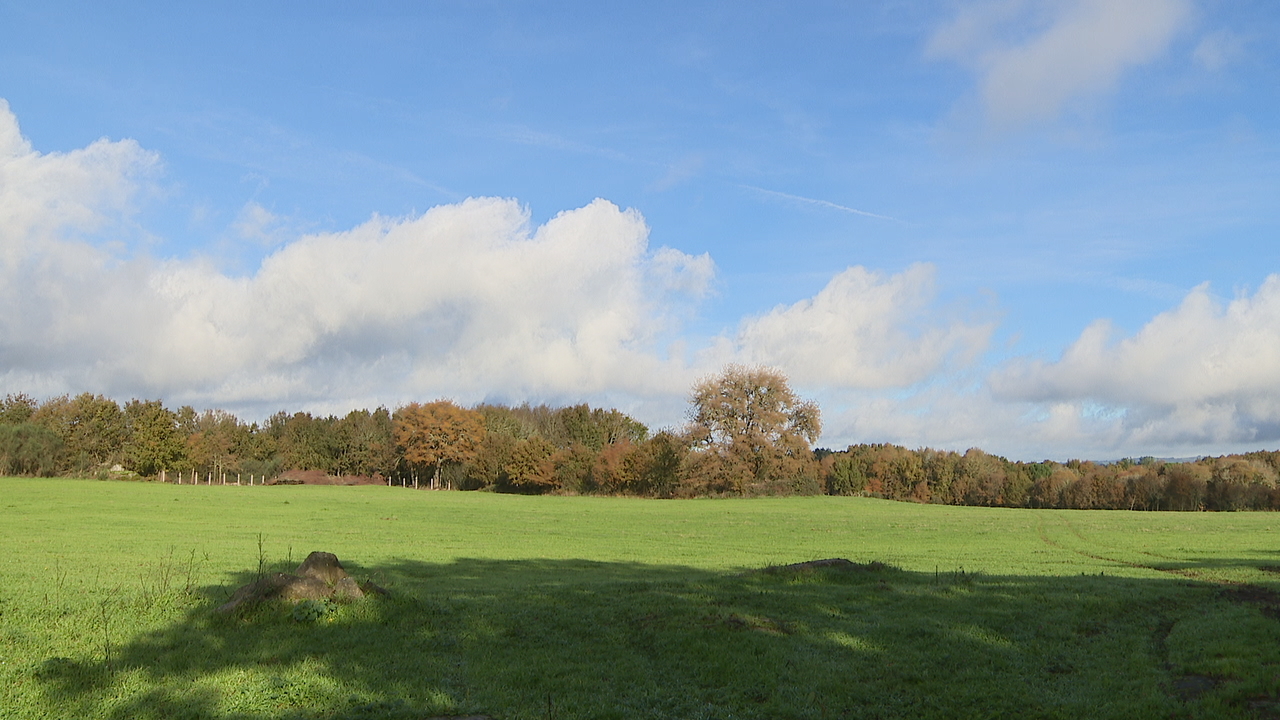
(577, 639)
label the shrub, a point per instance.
(29, 449)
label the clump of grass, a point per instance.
(313, 611)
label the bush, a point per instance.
(29, 449)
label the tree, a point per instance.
(92, 428)
(531, 468)
(152, 443)
(656, 464)
(436, 433)
(212, 446)
(756, 426)
(29, 449)
(597, 428)
(364, 443)
(17, 409)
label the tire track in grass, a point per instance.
(1044, 537)
(1183, 572)
(1265, 599)
(1189, 687)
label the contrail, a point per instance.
(820, 203)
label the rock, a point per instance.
(370, 588)
(322, 566)
(347, 589)
(305, 588)
(319, 577)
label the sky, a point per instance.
(1045, 229)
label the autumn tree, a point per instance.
(531, 467)
(756, 428)
(656, 464)
(214, 444)
(436, 433)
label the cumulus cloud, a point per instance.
(467, 300)
(863, 330)
(1034, 59)
(1200, 373)
(471, 301)
(45, 197)
(463, 300)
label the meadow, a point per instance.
(532, 607)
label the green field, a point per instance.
(564, 607)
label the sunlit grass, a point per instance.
(536, 607)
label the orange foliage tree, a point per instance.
(436, 433)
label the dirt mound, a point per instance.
(834, 563)
(319, 577)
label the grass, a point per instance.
(547, 607)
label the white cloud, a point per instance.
(45, 198)
(470, 301)
(1035, 59)
(465, 301)
(462, 301)
(863, 330)
(1199, 374)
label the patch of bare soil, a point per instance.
(1190, 687)
(1266, 599)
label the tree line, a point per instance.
(1230, 482)
(747, 434)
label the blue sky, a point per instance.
(1047, 229)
